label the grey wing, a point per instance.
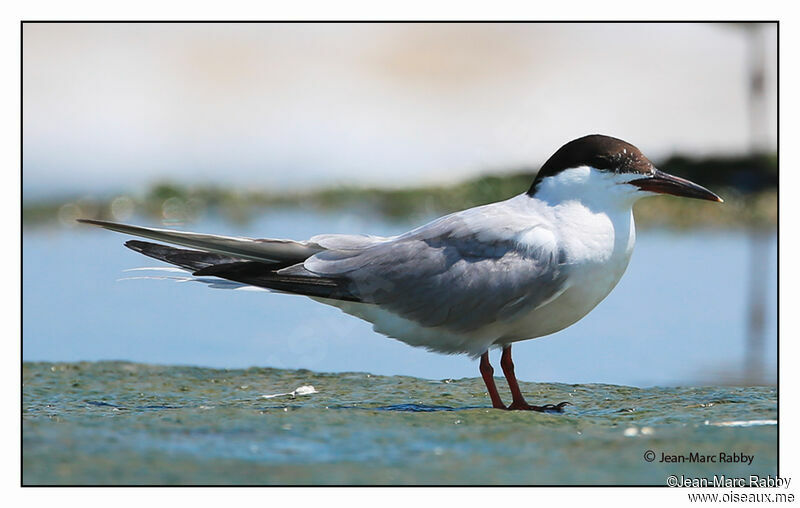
(461, 272)
(450, 275)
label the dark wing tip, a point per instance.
(235, 268)
(138, 245)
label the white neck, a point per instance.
(593, 210)
(600, 191)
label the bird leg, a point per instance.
(487, 373)
(518, 401)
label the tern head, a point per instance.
(602, 165)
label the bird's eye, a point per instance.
(602, 163)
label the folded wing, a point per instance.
(461, 272)
(451, 274)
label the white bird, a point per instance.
(481, 278)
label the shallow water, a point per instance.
(125, 423)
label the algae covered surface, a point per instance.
(116, 423)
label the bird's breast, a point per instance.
(595, 249)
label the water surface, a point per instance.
(125, 423)
(676, 319)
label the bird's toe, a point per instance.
(547, 408)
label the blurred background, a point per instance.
(291, 130)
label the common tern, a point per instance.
(482, 278)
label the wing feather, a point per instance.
(458, 272)
(268, 250)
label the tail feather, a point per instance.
(268, 250)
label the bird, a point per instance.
(474, 280)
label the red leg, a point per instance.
(487, 373)
(518, 401)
